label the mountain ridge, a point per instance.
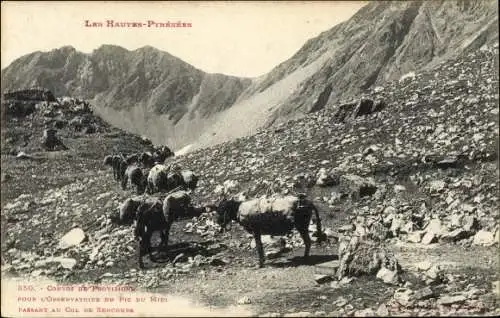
(119, 80)
(158, 95)
(379, 43)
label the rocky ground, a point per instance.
(408, 197)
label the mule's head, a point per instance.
(142, 208)
(146, 159)
(133, 158)
(193, 182)
(127, 212)
(115, 217)
(108, 160)
(227, 211)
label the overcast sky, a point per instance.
(234, 38)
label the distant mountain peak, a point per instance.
(151, 92)
(110, 48)
(147, 48)
(65, 48)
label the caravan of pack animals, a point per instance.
(147, 173)
(163, 191)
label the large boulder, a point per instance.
(356, 186)
(364, 106)
(484, 238)
(367, 106)
(366, 257)
(326, 179)
(72, 238)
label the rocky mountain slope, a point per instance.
(419, 176)
(28, 166)
(380, 43)
(153, 93)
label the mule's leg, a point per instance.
(304, 233)
(149, 249)
(167, 233)
(141, 263)
(170, 220)
(142, 187)
(163, 239)
(164, 236)
(260, 248)
(124, 182)
(143, 248)
(115, 172)
(302, 220)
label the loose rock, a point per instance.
(484, 238)
(72, 238)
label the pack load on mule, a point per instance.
(154, 215)
(275, 215)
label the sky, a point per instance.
(234, 38)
